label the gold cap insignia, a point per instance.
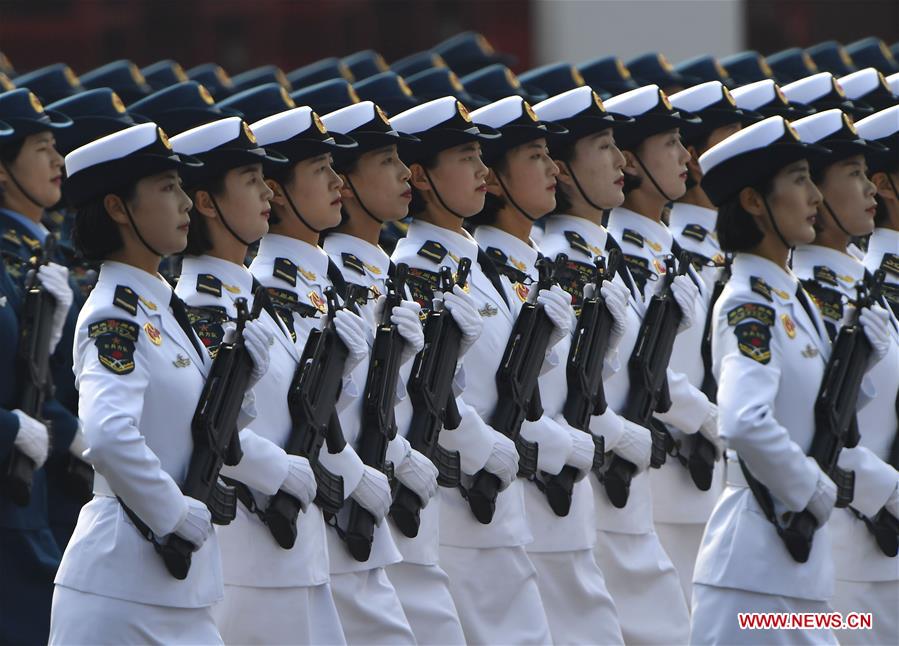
(576, 77)
(71, 79)
(528, 110)
(512, 79)
(286, 98)
(809, 62)
(382, 115)
(164, 138)
(354, 97)
(623, 72)
(179, 73)
(455, 82)
(729, 97)
(205, 95)
(248, 133)
(35, 103)
(404, 87)
(665, 63)
(117, 104)
(437, 61)
(484, 45)
(663, 98)
(318, 124)
(463, 112)
(848, 123)
(136, 76)
(598, 101)
(222, 76)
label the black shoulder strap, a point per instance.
(492, 274)
(623, 273)
(266, 301)
(337, 279)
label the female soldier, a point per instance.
(271, 594)
(865, 575)
(376, 191)
(296, 272)
(579, 608)
(491, 578)
(140, 371)
(769, 352)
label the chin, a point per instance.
(679, 191)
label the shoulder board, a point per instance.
(629, 235)
(890, 292)
(286, 270)
(824, 274)
(421, 284)
(761, 288)
(115, 339)
(577, 242)
(33, 243)
(695, 231)
(126, 298)
(829, 301)
(497, 256)
(433, 250)
(754, 341)
(754, 311)
(12, 237)
(890, 263)
(209, 284)
(352, 262)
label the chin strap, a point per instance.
(836, 219)
(22, 188)
(136, 230)
(225, 222)
(652, 179)
(512, 200)
(361, 203)
(296, 212)
(439, 198)
(581, 189)
(774, 224)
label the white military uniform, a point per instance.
(578, 605)
(638, 573)
(680, 510)
(769, 357)
(369, 609)
(866, 579)
(492, 580)
(420, 583)
(139, 377)
(271, 594)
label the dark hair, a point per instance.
(737, 230)
(8, 154)
(563, 153)
(198, 241)
(881, 217)
(492, 203)
(418, 204)
(94, 233)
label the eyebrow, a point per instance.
(168, 175)
(252, 168)
(323, 157)
(798, 167)
(468, 148)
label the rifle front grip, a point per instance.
(617, 480)
(406, 511)
(360, 532)
(18, 477)
(281, 517)
(702, 464)
(176, 555)
(798, 535)
(559, 488)
(482, 496)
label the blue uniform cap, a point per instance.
(326, 96)
(259, 76)
(498, 81)
(389, 90)
(162, 74)
(416, 63)
(873, 52)
(554, 78)
(94, 113)
(365, 64)
(51, 83)
(180, 107)
(705, 68)
(123, 76)
(438, 82)
(607, 75)
(791, 65)
(259, 102)
(831, 56)
(469, 51)
(654, 67)
(22, 111)
(747, 67)
(213, 78)
(318, 72)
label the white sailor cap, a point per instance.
(833, 129)
(893, 83)
(113, 162)
(516, 120)
(368, 125)
(713, 103)
(298, 134)
(766, 98)
(440, 124)
(870, 86)
(750, 156)
(822, 91)
(652, 112)
(882, 127)
(581, 111)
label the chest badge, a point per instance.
(153, 333)
(810, 351)
(488, 310)
(375, 292)
(522, 291)
(661, 270)
(789, 325)
(181, 361)
(317, 301)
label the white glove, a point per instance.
(300, 480)
(686, 293)
(709, 430)
(355, 334)
(465, 313)
(79, 443)
(408, 324)
(257, 340)
(582, 451)
(196, 525)
(823, 499)
(503, 460)
(892, 503)
(55, 279)
(616, 298)
(32, 439)
(635, 445)
(875, 322)
(556, 303)
(373, 493)
(419, 474)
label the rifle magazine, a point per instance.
(448, 467)
(222, 503)
(527, 457)
(845, 482)
(329, 496)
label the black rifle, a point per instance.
(215, 437)
(312, 401)
(647, 369)
(378, 420)
(430, 390)
(586, 393)
(518, 395)
(836, 427)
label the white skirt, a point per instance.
(645, 587)
(681, 544)
(84, 618)
(305, 615)
(715, 619)
(495, 590)
(370, 612)
(880, 598)
(424, 592)
(578, 605)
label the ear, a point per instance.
(278, 190)
(419, 178)
(564, 173)
(346, 193)
(752, 202)
(115, 207)
(631, 166)
(203, 204)
(693, 164)
(884, 189)
(493, 185)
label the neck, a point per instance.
(21, 204)
(832, 238)
(291, 226)
(440, 218)
(360, 225)
(514, 223)
(647, 203)
(235, 252)
(892, 221)
(141, 257)
(773, 249)
(587, 212)
(697, 197)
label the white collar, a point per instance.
(372, 256)
(594, 234)
(848, 270)
(458, 244)
(683, 214)
(147, 286)
(522, 256)
(303, 254)
(882, 241)
(654, 233)
(236, 279)
(782, 281)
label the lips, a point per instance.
(482, 188)
(267, 214)
(336, 202)
(551, 187)
(407, 194)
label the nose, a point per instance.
(336, 180)
(684, 153)
(553, 168)
(405, 172)
(268, 193)
(620, 161)
(817, 197)
(482, 169)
